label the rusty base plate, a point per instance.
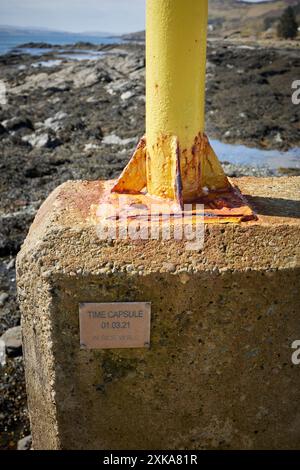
(219, 207)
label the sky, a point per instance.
(114, 16)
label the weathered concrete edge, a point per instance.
(63, 219)
(37, 347)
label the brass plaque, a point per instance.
(115, 325)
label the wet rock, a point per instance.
(25, 443)
(84, 45)
(36, 45)
(13, 341)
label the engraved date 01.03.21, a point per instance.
(115, 325)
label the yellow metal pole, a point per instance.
(175, 161)
(175, 89)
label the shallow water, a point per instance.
(82, 54)
(242, 155)
(72, 54)
(35, 51)
(10, 41)
(47, 63)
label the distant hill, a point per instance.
(233, 17)
(30, 31)
(229, 17)
(138, 36)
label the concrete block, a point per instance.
(218, 374)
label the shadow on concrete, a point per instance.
(274, 206)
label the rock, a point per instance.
(25, 443)
(2, 129)
(278, 138)
(115, 140)
(10, 264)
(85, 78)
(119, 86)
(289, 171)
(54, 123)
(59, 116)
(170, 267)
(36, 140)
(41, 140)
(13, 341)
(12, 228)
(90, 146)
(3, 298)
(53, 81)
(83, 45)
(17, 123)
(2, 353)
(95, 132)
(127, 95)
(36, 45)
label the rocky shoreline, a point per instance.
(76, 112)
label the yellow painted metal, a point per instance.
(175, 98)
(176, 156)
(176, 65)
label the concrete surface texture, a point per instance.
(218, 373)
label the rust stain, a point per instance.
(191, 175)
(134, 176)
(178, 179)
(219, 207)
